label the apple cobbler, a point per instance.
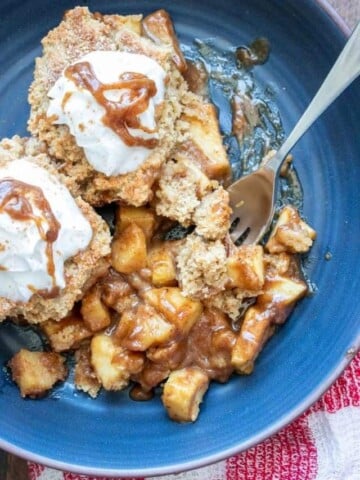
(123, 118)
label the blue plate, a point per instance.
(116, 436)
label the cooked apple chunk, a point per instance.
(255, 330)
(277, 263)
(159, 28)
(183, 393)
(246, 268)
(36, 372)
(206, 139)
(116, 22)
(142, 328)
(143, 217)
(290, 234)
(112, 363)
(128, 250)
(281, 293)
(179, 310)
(161, 263)
(95, 313)
(272, 307)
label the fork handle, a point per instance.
(344, 71)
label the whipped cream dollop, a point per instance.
(74, 104)
(25, 231)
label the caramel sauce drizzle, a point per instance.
(136, 90)
(15, 201)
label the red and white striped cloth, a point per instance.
(323, 444)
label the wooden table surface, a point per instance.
(14, 468)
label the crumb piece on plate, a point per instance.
(182, 186)
(36, 372)
(201, 267)
(233, 302)
(84, 375)
(212, 216)
(67, 333)
(290, 234)
(187, 194)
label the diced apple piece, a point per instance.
(206, 138)
(159, 28)
(36, 372)
(282, 293)
(179, 310)
(246, 268)
(95, 313)
(143, 328)
(112, 363)
(255, 330)
(128, 250)
(143, 217)
(272, 307)
(161, 264)
(183, 393)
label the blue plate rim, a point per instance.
(335, 16)
(309, 400)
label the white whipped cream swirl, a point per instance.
(23, 255)
(77, 108)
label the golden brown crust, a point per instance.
(80, 33)
(80, 270)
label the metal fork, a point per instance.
(253, 196)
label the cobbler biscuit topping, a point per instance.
(40, 228)
(109, 101)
